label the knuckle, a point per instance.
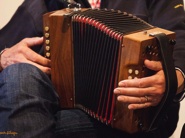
(141, 84)
(159, 92)
(20, 48)
(161, 80)
(34, 58)
(48, 71)
(24, 40)
(47, 62)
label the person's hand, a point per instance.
(21, 53)
(143, 92)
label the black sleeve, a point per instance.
(169, 14)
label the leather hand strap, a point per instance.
(166, 52)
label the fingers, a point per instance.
(132, 91)
(45, 69)
(138, 106)
(36, 58)
(139, 102)
(24, 48)
(21, 53)
(136, 100)
(143, 92)
(138, 83)
(153, 65)
(140, 87)
(34, 41)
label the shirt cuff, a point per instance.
(179, 97)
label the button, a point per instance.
(47, 42)
(47, 48)
(46, 28)
(47, 35)
(48, 54)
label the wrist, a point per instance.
(1, 68)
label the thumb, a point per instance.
(153, 65)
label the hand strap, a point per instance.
(166, 52)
